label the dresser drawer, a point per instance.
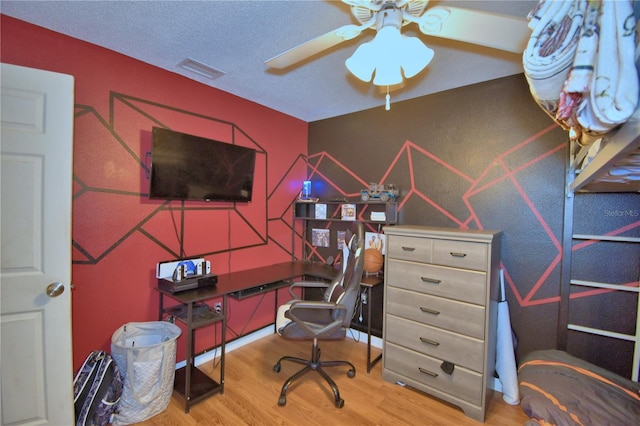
(436, 342)
(409, 248)
(462, 383)
(460, 254)
(460, 317)
(464, 285)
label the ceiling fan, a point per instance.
(390, 54)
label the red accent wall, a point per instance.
(119, 235)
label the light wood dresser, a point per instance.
(440, 313)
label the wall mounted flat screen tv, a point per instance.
(188, 167)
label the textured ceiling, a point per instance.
(236, 37)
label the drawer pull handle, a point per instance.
(429, 311)
(430, 373)
(430, 280)
(457, 254)
(405, 248)
(429, 342)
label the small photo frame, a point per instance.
(348, 212)
(321, 211)
(320, 237)
(376, 241)
(341, 236)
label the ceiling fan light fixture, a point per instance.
(388, 73)
(416, 56)
(389, 55)
(388, 59)
(361, 64)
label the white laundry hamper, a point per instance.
(145, 353)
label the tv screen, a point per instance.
(188, 167)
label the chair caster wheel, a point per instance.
(283, 401)
(276, 368)
(351, 374)
(339, 403)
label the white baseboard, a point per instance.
(376, 342)
(360, 336)
(229, 347)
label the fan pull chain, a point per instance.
(388, 98)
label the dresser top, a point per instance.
(482, 235)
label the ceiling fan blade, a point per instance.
(501, 32)
(363, 3)
(316, 45)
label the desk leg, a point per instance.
(160, 307)
(189, 360)
(370, 364)
(225, 308)
(369, 330)
(275, 313)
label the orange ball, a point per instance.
(373, 260)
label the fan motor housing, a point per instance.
(390, 15)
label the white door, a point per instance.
(35, 293)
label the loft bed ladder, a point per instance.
(567, 281)
(626, 140)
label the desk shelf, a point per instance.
(202, 386)
(190, 383)
(202, 315)
(331, 220)
(333, 211)
(254, 291)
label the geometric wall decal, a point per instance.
(122, 180)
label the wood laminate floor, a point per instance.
(252, 389)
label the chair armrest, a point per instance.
(306, 284)
(316, 304)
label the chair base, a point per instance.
(316, 365)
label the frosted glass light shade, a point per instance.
(389, 55)
(360, 63)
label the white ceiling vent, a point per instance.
(200, 68)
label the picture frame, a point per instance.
(321, 211)
(348, 212)
(320, 237)
(375, 240)
(341, 239)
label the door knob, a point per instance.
(55, 289)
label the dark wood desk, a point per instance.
(235, 281)
(192, 384)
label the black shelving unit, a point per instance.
(333, 221)
(307, 210)
(191, 383)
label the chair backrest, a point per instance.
(344, 290)
(352, 274)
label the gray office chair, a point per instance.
(328, 319)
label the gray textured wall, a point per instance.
(482, 156)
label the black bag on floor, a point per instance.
(97, 387)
